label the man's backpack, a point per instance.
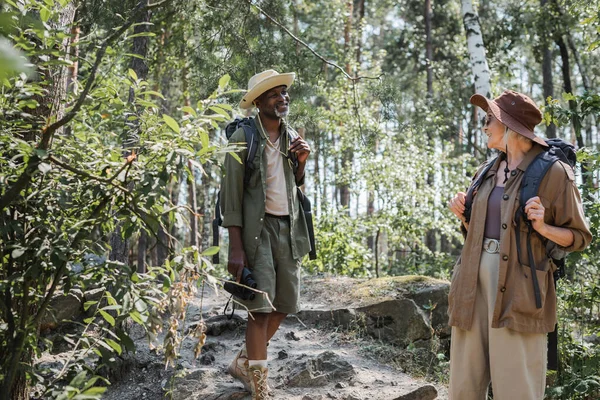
(251, 134)
(558, 150)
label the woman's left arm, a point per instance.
(535, 213)
(566, 224)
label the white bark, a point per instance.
(479, 65)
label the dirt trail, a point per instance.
(305, 363)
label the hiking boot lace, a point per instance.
(260, 384)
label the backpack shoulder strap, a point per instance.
(251, 134)
(534, 174)
(475, 185)
(530, 185)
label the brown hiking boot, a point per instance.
(258, 382)
(239, 369)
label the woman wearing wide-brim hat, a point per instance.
(498, 330)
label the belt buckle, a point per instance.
(492, 246)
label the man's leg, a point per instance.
(257, 326)
(275, 319)
(256, 336)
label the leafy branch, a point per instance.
(300, 41)
(48, 132)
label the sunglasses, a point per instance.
(486, 120)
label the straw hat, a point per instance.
(514, 110)
(264, 81)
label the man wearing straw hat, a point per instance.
(267, 230)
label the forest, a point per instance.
(112, 117)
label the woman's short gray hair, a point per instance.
(510, 133)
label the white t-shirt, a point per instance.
(277, 200)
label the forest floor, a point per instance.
(305, 362)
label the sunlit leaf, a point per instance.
(132, 74)
(171, 123)
(224, 81)
(116, 346)
(211, 251)
(108, 317)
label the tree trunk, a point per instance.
(376, 247)
(14, 384)
(193, 204)
(141, 254)
(548, 84)
(430, 238)
(119, 244)
(582, 72)
(347, 34)
(317, 172)
(348, 154)
(206, 207)
(428, 48)
(361, 15)
(479, 65)
(52, 105)
(566, 71)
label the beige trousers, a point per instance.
(514, 362)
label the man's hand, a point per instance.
(237, 262)
(237, 255)
(300, 148)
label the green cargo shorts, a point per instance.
(275, 270)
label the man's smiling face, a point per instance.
(274, 103)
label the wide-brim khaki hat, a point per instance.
(264, 81)
(514, 110)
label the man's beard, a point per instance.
(281, 114)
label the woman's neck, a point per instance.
(516, 153)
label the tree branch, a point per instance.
(61, 269)
(109, 181)
(47, 132)
(279, 24)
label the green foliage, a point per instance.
(579, 292)
(339, 246)
(110, 171)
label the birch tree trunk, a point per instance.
(479, 65)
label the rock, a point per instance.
(593, 339)
(353, 396)
(291, 336)
(185, 387)
(93, 294)
(282, 355)
(435, 296)
(340, 385)
(218, 324)
(62, 307)
(396, 321)
(320, 370)
(427, 392)
(207, 359)
(324, 318)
